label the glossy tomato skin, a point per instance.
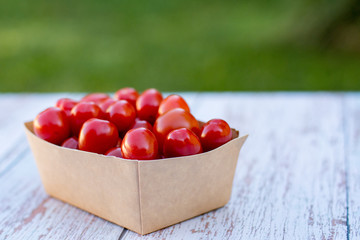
(52, 125)
(66, 104)
(174, 119)
(215, 133)
(147, 105)
(81, 113)
(128, 94)
(181, 142)
(72, 143)
(172, 102)
(104, 105)
(98, 136)
(141, 144)
(122, 114)
(141, 123)
(116, 152)
(97, 98)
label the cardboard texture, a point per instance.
(143, 196)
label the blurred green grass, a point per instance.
(171, 45)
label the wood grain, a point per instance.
(290, 181)
(352, 140)
(18, 109)
(26, 211)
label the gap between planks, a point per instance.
(316, 177)
(122, 234)
(346, 161)
(124, 231)
(352, 134)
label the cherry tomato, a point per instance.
(71, 143)
(128, 94)
(174, 119)
(215, 133)
(181, 142)
(98, 136)
(66, 104)
(97, 98)
(116, 152)
(122, 114)
(171, 102)
(82, 112)
(140, 143)
(52, 125)
(104, 106)
(147, 105)
(141, 123)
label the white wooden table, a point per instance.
(298, 175)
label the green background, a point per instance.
(172, 45)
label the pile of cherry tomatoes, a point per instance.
(130, 125)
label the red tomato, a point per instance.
(141, 123)
(71, 143)
(122, 114)
(66, 104)
(82, 112)
(98, 136)
(128, 94)
(116, 152)
(181, 142)
(140, 143)
(104, 106)
(174, 119)
(215, 133)
(171, 102)
(97, 98)
(147, 105)
(52, 125)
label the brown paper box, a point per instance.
(143, 196)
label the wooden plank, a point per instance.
(289, 218)
(352, 139)
(37, 215)
(290, 181)
(10, 105)
(18, 109)
(27, 212)
(24, 107)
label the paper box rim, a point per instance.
(141, 164)
(29, 129)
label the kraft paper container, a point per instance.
(143, 196)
